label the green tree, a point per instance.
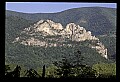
(39, 71)
(105, 70)
(15, 73)
(77, 59)
(74, 68)
(31, 73)
(43, 73)
(88, 72)
(51, 72)
(7, 68)
(64, 68)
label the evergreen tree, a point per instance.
(64, 68)
(7, 68)
(31, 73)
(43, 74)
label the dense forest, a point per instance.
(65, 68)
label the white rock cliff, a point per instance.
(49, 28)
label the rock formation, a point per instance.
(77, 33)
(46, 32)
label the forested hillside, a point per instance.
(99, 20)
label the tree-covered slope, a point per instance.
(99, 20)
(14, 25)
(32, 56)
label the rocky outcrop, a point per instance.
(72, 31)
(47, 33)
(101, 49)
(48, 27)
(77, 33)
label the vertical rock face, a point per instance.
(46, 28)
(77, 33)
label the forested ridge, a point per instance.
(99, 20)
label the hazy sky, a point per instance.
(51, 7)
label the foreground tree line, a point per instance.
(66, 68)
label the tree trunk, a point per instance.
(43, 74)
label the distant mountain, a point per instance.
(99, 20)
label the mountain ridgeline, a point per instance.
(98, 20)
(42, 38)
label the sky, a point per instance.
(51, 7)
